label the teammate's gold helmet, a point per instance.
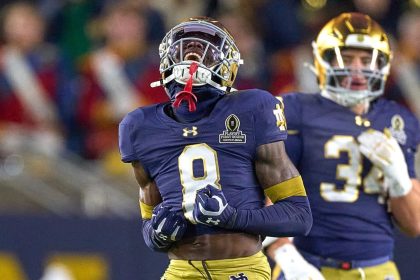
(351, 31)
(218, 57)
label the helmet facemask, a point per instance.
(344, 38)
(204, 43)
(350, 86)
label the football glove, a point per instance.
(385, 153)
(168, 226)
(211, 208)
(294, 266)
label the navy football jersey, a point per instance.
(219, 149)
(351, 217)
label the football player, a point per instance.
(355, 151)
(206, 159)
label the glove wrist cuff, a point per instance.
(287, 253)
(399, 188)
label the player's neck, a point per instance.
(207, 98)
(361, 108)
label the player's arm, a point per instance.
(283, 184)
(290, 214)
(385, 152)
(149, 194)
(406, 210)
(282, 250)
(161, 226)
(291, 262)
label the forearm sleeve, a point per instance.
(288, 217)
(290, 214)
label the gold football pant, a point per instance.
(254, 267)
(383, 271)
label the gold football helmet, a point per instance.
(351, 31)
(204, 41)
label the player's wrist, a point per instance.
(396, 177)
(398, 186)
(226, 219)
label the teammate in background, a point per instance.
(206, 159)
(355, 152)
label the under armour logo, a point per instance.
(240, 276)
(162, 236)
(193, 131)
(214, 222)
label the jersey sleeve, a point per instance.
(413, 141)
(293, 116)
(270, 123)
(125, 132)
(292, 112)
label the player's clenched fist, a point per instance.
(211, 208)
(168, 226)
(385, 152)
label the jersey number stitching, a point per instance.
(350, 173)
(192, 183)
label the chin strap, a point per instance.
(187, 94)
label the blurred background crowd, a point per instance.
(71, 69)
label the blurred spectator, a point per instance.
(280, 30)
(35, 95)
(375, 8)
(156, 28)
(291, 57)
(254, 74)
(279, 25)
(74, 23)
(386, 12)
(176, 11)
(405, 78)
(69, 24)
(115, 80)
(292, 70)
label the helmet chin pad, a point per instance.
(344, 95)
(348, 98)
